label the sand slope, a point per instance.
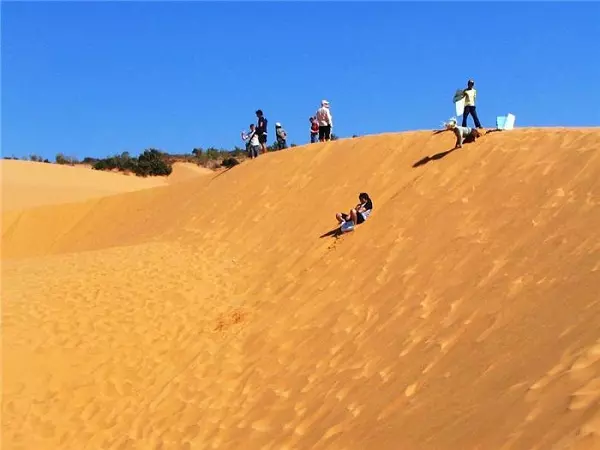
(27, 184)
(210, 313)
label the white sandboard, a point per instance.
(510, 122)
(347, 226)
(459, 102)
(505, 122)
(460, 107)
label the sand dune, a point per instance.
(26, 184)
(183, 172)
(210, 314)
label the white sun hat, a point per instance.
(450, 123)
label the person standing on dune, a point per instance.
(314, 130)
(252, 143)
(261, 130)
(325, 121)
(281, 136)
(469, 95)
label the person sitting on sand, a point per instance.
(360, 213)
(463, 134)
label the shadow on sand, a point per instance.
(435, 157)
(426, 159)
(336, 232)
(222, 173)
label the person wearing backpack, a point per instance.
(281, 137)
(261, 130)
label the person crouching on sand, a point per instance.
(360, 213)
(463, 134)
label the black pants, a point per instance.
(470, 110)
(324, 132)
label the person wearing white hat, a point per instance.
(281, 137)
(325, 121)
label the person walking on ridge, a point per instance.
(469, 95)
(325, 121)
(261, 130)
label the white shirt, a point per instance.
(324, 117)
(253, 140)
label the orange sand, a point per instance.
(464, 314)
(26, 184)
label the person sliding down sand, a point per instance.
(360, 213)
(463, 134)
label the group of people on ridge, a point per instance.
(256, 137)
(321, 125)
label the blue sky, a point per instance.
(93, 79)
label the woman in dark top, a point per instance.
(360, 213)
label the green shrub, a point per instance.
(152, 162)
(62, 159)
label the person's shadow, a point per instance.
(426, 159)
(336, 232)
(435, 157)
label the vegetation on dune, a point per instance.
(154, 162)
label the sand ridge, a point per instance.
(209, 314)
(27, 184)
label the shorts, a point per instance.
(324, 132)
(359, 217)
(262, 138)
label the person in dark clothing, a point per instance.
(261, 130)
(360, 213)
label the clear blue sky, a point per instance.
(93, 79)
